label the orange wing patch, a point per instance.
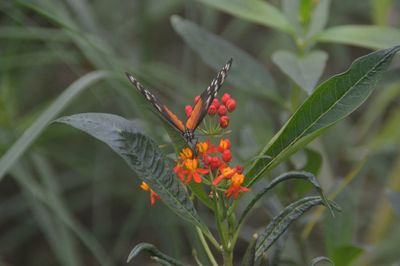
(174, 119)
(193, 120)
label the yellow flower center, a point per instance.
(191, 164)
(144, 186)
(202, 147)
(228, 171)
(237, 180)
(186, 153)
(224, 144)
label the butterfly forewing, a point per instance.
(199, 110)
(206, 98)
(161, 108)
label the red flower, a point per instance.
(190, 170)
(225, 97)
(222, 110)
(212, 110)
(153, 196)
(216, 103)
(230, 105)
(215, 162)
(188, 110)
(224, 121)
(224, 144)
(226, 155)
(226, 172)
(236, 188)
(196, 99)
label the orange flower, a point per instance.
(186, 153)
(202, 147)
(224, 144)
(236, 188)
(226, 172)
(153, 196)
(189, 170)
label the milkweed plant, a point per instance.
(205, 173)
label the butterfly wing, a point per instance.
(167, 114)
(206, 98)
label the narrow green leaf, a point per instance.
(142, 155)
(319, 18)
(333, 100)
(30, 135)
(373, 37)
(316, 261)
(249, 256)
(284, 177)
(281, 222)
(154, 253)
(256, 11)
(246, 73)
(304, 70)
(33, 33)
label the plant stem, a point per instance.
(206, 247)
(228, 257)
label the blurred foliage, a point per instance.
(66, 200)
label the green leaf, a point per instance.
(333, 100)
(281, 222)
(142, 155)
(249, 255)
(344, 255)
(154, 254)
(317, 260)
(284, 177)
(319, 18)
(373, 37)
(246, 73)
(33, 132)
(304, 70)
(255, 11)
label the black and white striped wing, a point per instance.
(161, 108)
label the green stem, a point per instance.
(206, 247)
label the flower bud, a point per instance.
(216, 103)
(225, 97)
(215, 162)
(224, 121)
(231, 105)
(188, 110)
(212, 110)
(222, 110)
(239, 169)
(226, 155)
(224, 144)
(196, 99)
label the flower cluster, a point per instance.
(220, 107)
(212, 161)
(211, 164)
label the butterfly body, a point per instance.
(187, 130)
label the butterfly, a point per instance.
(187, 130)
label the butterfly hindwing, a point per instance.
(161, 108)
(206, 98)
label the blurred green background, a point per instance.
(66, 199)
